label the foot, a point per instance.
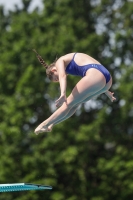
(50, 127)
(42, 128)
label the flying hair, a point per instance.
(40, 59)
(48, 68)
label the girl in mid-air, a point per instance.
(95, 80)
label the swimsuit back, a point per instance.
(74, 69)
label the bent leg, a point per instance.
(74, 108)
(105, 89)
(85, 88)
(69, 114)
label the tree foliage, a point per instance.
(89, 156)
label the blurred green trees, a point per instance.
(89, 156)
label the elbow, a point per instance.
(63, 77)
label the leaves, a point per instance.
(88, 156)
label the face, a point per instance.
(55, 77)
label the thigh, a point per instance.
(103, 90)
(87, 86)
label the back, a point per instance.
(80, 59)
(80, 70)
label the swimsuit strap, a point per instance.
(74, 55)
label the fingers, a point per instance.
(58, 105)
(57, 101)
(60, 101)
(111, 96)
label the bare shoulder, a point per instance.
(83, 59)
(66, 58)
(80, 59)
(69, 56)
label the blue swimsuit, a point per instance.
(74, 69)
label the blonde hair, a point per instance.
(48, 68)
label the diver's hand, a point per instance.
(110, 95)
(61, 100)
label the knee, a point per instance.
(72, 107)
(71, 104)
(67, 106)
